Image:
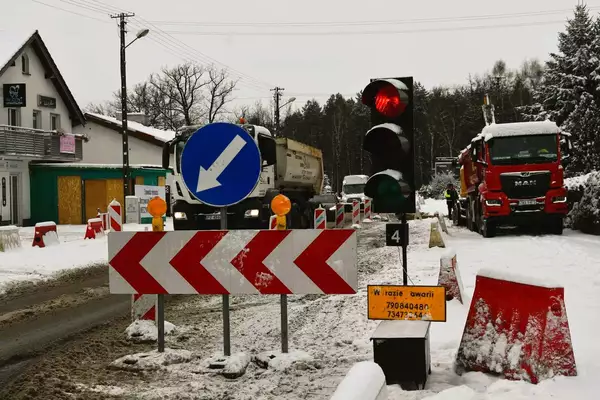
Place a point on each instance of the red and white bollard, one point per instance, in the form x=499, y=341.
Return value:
x=115, y=213
x=355, y=212
x=367, y=208
x=273, y=222
x=340, y=215
x=320, y=218
x=143, y=306
x=105, y=220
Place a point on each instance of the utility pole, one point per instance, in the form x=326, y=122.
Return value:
x=277, y=96
x=126, y=173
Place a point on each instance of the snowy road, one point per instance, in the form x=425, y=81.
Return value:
x=335, y=332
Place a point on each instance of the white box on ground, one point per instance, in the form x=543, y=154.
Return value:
x=132, y=210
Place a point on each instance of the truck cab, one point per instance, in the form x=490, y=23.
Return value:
x=513, y=173
x=353, y=188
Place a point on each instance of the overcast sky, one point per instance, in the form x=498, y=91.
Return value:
x=289, y=44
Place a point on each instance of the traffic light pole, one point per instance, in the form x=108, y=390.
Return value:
x=405, y=251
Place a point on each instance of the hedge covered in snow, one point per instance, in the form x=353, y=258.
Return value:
x=439, y=182
x=584, y=203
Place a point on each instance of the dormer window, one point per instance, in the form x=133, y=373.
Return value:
x=25, y=64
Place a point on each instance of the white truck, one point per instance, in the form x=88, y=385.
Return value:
x=289, y=167
x=353, y=188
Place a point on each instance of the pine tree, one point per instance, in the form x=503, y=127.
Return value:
x=568, y=73
x=568, y=94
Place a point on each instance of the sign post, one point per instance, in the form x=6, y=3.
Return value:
x=281, y=206
x=221, y=166
x=157, y=207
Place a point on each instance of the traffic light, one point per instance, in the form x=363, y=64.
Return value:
x=390, y=141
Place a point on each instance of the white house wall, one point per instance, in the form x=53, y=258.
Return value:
x=36, y=83
x=105, y=147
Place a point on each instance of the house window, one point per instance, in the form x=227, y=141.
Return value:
x=37, y=119
x=25, y=64
x=14, y=117
x=54, y=122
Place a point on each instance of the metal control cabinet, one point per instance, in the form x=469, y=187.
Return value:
x=402, y=350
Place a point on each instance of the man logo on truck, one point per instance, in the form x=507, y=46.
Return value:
x=526, y=183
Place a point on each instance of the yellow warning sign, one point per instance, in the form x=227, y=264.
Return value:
x=413, y=303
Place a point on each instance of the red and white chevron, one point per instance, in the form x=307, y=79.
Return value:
x=355, y=212
x=367, y=208
x=340, y=215
x=115, y=213
x=304, y=261
x=143, y=306
x=320, y=218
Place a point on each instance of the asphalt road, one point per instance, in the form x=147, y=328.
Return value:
x=35, y=318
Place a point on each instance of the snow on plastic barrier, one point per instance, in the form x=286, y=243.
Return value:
x=9, y=238
x=449, y=276
x=364, y=381
x=517, y=327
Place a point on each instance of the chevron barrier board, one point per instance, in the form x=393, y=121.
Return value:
x=305, y=261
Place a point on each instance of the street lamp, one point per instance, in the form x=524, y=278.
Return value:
x=139, y=35
x=126, y=172
x=279, y=107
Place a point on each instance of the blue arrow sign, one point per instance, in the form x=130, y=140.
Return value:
x=221, y=164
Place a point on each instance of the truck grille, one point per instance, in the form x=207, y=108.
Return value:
x=521, y=185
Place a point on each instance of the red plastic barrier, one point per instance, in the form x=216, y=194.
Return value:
x=516, y=329
x=41, y=229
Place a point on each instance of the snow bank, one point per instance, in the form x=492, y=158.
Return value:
x=143, y=331
x=282, y=361
x=519, y=278
x=432, y=206
x=152, y=361
x=34, y=263
x=364, y=381
x=456, y=393
x=576, y=182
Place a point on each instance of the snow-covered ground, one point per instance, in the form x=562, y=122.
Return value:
x=431, y=206
x=33, y=263
x=334, y=330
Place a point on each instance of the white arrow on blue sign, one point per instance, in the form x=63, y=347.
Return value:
x=221, y=164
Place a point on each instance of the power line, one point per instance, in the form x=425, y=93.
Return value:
x=71, y=12
x=365, y=23
x=359, y=33
x=257, y=83
x=167, y=42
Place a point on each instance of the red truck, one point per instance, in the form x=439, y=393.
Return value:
x=511, y=175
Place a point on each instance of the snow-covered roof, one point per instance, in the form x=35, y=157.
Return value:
x=163, y=136
x=89, y=165
x=519, y=129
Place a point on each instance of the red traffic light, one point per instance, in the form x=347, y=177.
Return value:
x=388, y=97
x=388, y=101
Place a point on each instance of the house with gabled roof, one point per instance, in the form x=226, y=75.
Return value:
x=38, y=114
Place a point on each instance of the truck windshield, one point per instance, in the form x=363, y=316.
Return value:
x=354, y=189
x=534, y=149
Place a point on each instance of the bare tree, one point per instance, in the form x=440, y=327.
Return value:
x=104, y=108
x=220, y=90
x=180, y=89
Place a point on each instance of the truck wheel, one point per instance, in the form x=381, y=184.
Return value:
x=488, y=229
x=556, y=226
x=469, y=221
